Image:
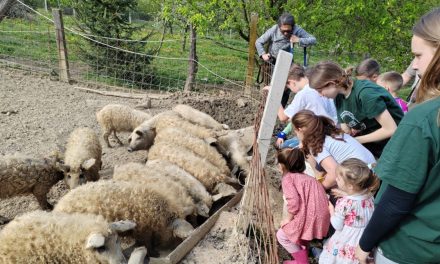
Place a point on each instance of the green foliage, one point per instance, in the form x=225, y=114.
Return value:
x=372, y=28
x=108, y=18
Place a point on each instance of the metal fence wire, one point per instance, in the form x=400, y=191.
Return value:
x=96, y=61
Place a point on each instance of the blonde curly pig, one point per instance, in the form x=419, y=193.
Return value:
x=175, y=193
x=42, y=237
x=208, y=174
x=154, y=216
x=83, y=157
x=119, y=118
x=195, y=187
x=180, y=137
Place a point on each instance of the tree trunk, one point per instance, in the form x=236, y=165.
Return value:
x=5, y=5
x=184, y=39
x=192, y=61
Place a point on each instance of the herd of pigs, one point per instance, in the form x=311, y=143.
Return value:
x=192, y=162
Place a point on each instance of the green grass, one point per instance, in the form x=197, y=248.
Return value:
x=213, y=53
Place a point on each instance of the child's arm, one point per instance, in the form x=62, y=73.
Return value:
x=291, y=195
x=337, y=215
x=388, y=127
x=287, y=217
x=283, y=135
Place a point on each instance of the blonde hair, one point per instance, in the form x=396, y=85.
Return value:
x=393, y=79
x=325, y=72
x=428, y=29
x=358, y=174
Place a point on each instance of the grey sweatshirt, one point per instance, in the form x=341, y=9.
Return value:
x=280, y=42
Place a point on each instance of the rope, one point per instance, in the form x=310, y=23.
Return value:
x=133, y=52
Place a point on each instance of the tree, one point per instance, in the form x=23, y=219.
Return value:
x=381, y=29
x=5, y=5
x=108, y=18
x=199, y=16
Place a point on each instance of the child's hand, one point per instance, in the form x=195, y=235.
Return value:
x=331, y=208
x=279, y=142
x=266, y=88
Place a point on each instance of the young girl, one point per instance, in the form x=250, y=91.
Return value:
x=352, y=212
x=327, y=145
x=307, y=214
x=365, y=110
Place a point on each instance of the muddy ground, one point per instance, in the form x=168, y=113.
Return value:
x=37, y=115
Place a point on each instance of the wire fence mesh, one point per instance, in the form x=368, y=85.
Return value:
x=158, y=64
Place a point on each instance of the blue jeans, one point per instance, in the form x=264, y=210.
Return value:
x=290, y=143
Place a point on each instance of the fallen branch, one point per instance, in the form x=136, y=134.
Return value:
x=124, y=95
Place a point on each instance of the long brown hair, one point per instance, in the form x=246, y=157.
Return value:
x=358, y=174
x=327, y=71
x=293, y=159
x=428, y=28
x=315, y=128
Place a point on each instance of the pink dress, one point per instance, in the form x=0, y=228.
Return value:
x=352, y=214
x=308, y=202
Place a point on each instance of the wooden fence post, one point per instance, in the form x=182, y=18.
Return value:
x=251, y=56
x=63, y=62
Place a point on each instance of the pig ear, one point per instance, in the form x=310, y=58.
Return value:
x=95, y=241
x=181, y=228
x=139, y=133
x=87, y=164
x=122, y=226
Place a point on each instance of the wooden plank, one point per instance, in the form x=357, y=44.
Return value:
x=188, y=244
x=273, y=102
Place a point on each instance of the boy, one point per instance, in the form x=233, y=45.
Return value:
x=392, y=82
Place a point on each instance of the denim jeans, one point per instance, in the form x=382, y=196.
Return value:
x=290, y=143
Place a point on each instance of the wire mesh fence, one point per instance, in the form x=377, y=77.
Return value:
x=157, y=64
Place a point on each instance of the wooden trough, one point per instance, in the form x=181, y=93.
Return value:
x=189, y=243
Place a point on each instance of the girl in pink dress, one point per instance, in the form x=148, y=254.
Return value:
x=306, y=202
x=357, y=183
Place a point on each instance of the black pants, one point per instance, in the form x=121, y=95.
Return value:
x=285, y=97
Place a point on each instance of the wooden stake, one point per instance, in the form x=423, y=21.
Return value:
x=63, y=62
x=251, y=56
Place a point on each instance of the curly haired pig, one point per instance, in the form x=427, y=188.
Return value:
x=178, y=136
x=42, y=237
x=236, y=144
x=119, y=118
x=198, y=117
x=194, y=186
x=155, y=178
x=83, y=156
x=208, y=174
x=143, y=136
x=20, y=174
x=156, y=219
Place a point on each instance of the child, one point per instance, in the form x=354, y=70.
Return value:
x=365, y=110
x=352, y=212
x=368, y=69
x=305, y=98
x=392, y=82
x=306, y=202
